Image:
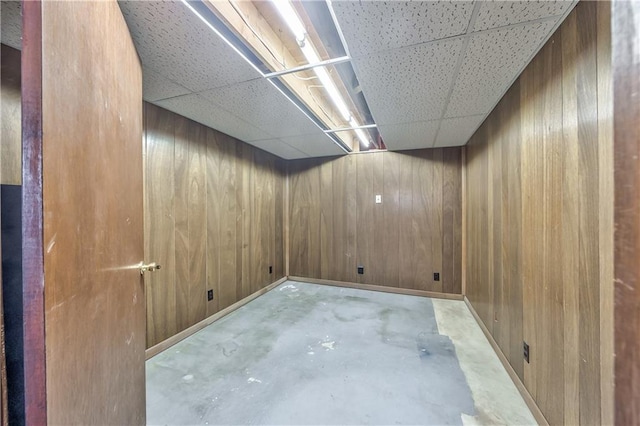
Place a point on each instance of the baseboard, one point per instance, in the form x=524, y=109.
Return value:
x=528, y=399
x=165, y=344
x=384, y=289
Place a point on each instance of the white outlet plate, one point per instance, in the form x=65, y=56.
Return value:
x=378, y=199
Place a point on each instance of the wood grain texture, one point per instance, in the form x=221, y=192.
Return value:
x=93, y=216
x=537, y=173
x=215, y=193
x=160, y=246
x=228, y=206
x=570, y=236
x=389, y=226
x=212, y=213
x=625, y=36
x=11, y=137
x=35, y=359
x=181, y=211
x=606, y=222
x=398, y=242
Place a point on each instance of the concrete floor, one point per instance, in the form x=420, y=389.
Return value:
x=310, y=354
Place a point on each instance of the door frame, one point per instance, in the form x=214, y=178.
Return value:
x=625, y=36
x=32, y=220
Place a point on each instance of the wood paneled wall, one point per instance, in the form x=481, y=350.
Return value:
x=213, y=220
x=540, y=222
x=336, y=225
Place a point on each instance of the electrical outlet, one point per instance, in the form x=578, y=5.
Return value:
x=525, y=347
x=271, y=269
x=378, y=199
x=436, y=276
x=360, y=270
x=209, y=295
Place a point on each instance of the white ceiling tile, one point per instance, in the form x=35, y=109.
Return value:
x=199, y=109
x=279, y=148
x=409, y=135
x=156, y=87
x=174, y=42
x=457, y=131
x=11, y=24
x=493, y=60
x=261, y=104
x=314, y=145
x=501, y=13
x=372, y=26
x=409, y=84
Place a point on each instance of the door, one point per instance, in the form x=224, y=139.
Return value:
x=83, y=217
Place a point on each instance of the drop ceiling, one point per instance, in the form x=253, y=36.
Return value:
x=430, y=71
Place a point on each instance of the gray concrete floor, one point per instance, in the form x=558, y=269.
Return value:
x=310, y=354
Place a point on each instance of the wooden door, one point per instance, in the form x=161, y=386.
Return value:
x=83, y=217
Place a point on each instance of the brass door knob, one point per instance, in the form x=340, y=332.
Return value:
x=149, y=267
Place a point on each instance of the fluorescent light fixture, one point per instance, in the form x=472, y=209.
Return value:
x=291, y=18
x=363, y=137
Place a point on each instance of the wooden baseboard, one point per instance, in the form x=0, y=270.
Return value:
x=380, y=288
x=528, y=399
x=165, y=344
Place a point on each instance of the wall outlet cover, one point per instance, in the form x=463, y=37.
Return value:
x=210, y=295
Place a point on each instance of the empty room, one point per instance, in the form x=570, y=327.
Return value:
x=288, y=212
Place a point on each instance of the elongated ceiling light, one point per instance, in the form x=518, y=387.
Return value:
x=291, y=18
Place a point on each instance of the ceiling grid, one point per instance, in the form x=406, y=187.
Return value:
x=430, y=71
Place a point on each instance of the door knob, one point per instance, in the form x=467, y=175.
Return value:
x=149, y=267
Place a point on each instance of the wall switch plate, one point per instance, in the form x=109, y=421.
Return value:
x=378, y=199
x=271, y=269
x=525, y=348
x=436, y=276
x=210, y=295
x=361, y=270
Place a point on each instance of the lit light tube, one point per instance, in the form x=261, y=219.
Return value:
x=215, y=30
x=291, y=18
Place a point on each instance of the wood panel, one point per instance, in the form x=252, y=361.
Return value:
x=93, y=220
x=606, y=222
x=215, y=193
x=626, y=116
x=159, y=221
x=228, y=206
x=537, y=174
x=390, y=225
x=181, y=209
x=212, y=206
x=336, y=225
